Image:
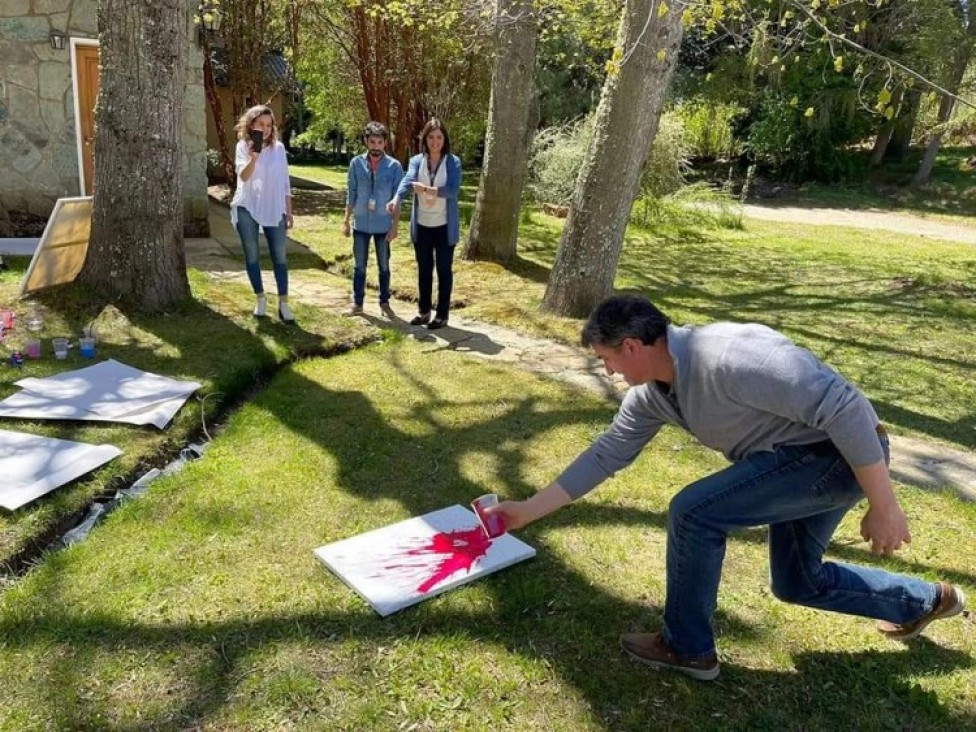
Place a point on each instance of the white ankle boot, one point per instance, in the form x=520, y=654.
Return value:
x=285, y=313
x=261, y=306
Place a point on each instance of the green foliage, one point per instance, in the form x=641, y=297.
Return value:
x=695, y=206
x=709, y=127
x=556, y=158
x=575, y=40
x=664, y=171
x=558, y=153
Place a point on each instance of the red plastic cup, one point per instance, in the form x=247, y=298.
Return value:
x=493, y=526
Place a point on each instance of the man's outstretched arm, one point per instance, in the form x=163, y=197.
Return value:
x=519, y=513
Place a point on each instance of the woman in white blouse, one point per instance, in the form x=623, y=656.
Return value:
x=434, y=177
x=262, y=199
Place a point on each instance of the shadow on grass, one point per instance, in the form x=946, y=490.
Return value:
x=546, y=610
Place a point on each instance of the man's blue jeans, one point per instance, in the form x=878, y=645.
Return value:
x=247, y=229
x=802, y=493
x=360, y=251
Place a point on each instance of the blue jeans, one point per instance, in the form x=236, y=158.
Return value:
x=802, y=493
x=247, y=229
x=360, y=251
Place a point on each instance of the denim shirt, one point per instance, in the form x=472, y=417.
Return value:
x=381, y=186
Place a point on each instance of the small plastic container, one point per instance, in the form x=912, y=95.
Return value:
x=86, y=346
x=493, y=526
x=33, y=348
x=60, y=348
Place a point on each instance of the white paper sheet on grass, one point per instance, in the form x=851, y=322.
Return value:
x=388, y=567
x=104, y=392
x=32, y=465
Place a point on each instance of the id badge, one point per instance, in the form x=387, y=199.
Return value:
x=371, y=206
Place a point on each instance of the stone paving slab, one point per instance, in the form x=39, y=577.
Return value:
x=914, y=461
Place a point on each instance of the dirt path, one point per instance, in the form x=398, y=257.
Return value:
x=879, y=220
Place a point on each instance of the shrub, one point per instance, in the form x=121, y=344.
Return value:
x=556, y=158
x=709, y=128
x=558, y=153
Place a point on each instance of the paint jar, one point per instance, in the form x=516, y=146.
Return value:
x=35, y=320
x=87, y=347
x=60, y=348
x=7, y=319
x=493, y=526
x=33, y=348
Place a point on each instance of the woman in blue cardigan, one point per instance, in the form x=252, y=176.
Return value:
x=435, y=179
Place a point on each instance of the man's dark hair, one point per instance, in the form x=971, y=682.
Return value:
x=375, y=129
x=435, y=124
x=624, y=316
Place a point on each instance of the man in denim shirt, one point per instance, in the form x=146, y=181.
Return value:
x=373, y=180
x=805, y=447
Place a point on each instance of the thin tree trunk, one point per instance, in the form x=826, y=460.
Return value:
x=904, y=127
x=494, y=226
x=136, y=252
x=625, y=127
x=884, y=134
x=217, y=110
x=960, y=63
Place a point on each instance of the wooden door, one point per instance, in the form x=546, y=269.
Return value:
x=88, y=80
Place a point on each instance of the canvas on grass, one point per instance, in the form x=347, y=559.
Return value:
x=401, y=564
x=31, y=465
x=104, y=392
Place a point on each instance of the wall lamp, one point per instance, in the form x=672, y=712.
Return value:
x=58, y=40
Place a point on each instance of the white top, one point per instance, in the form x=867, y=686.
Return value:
x=432, y=210
x=264, y=193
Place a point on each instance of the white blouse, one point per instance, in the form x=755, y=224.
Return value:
x=432, y=211
x=264, y=193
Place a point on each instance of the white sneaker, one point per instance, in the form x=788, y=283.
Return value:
x=261, y=307
x=285, y=313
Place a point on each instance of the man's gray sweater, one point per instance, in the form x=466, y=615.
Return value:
x=740, y=389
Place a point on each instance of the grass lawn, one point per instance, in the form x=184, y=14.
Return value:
x=201, y=605
x=895, y=313
x=214, y=341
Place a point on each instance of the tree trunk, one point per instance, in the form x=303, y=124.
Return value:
x=136, y=252
x=624, y=130
x=494, y=226
x=217, y=111
x=962, y=56
x=884, y=134
x=904, y=127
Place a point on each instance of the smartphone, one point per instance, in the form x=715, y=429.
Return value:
x=257, y=137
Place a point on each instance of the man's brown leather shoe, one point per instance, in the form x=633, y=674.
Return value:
x=951, y=602
x=651, y=650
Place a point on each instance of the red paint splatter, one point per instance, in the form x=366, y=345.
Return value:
x=460, y=551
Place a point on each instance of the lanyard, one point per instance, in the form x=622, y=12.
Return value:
x=433, y=174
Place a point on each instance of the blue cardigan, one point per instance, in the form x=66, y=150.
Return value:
x=449, y=191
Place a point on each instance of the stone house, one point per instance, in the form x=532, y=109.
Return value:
x=49, y=78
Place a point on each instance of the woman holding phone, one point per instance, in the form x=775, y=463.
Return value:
x=434, y=178
x=262, y=200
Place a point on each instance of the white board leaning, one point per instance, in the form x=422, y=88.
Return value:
x=407, y=562
x=61, y=252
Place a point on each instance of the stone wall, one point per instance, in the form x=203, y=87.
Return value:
x=38, y=138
